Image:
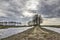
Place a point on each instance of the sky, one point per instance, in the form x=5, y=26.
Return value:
x=24, y=10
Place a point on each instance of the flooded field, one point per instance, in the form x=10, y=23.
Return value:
x=12, y=31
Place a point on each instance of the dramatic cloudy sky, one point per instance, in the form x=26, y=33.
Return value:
x=24, y=10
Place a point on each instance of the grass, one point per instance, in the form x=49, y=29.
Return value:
x=7, y=26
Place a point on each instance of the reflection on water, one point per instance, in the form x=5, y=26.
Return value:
x=53, y=29
x=11, y=31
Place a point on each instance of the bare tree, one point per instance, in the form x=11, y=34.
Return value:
x=37, y=19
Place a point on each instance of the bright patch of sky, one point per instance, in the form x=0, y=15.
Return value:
x=32, y=4
x=27, y=14
x=51, y=21
x=1, y=13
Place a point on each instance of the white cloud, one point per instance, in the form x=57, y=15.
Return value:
x=27, y=14
x=32, y=4
x=21, y=17
x=2, y=14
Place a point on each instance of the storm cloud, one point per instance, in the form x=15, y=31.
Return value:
x=22, y=10
x=12, y=9
x=49, y=8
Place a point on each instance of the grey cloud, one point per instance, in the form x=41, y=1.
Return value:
x=49, y=10
x=32, y=11
x=13, y=10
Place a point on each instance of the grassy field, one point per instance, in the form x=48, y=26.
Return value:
x=2, y=27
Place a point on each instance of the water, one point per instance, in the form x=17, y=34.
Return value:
x=11, y=31
x=53, y=29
